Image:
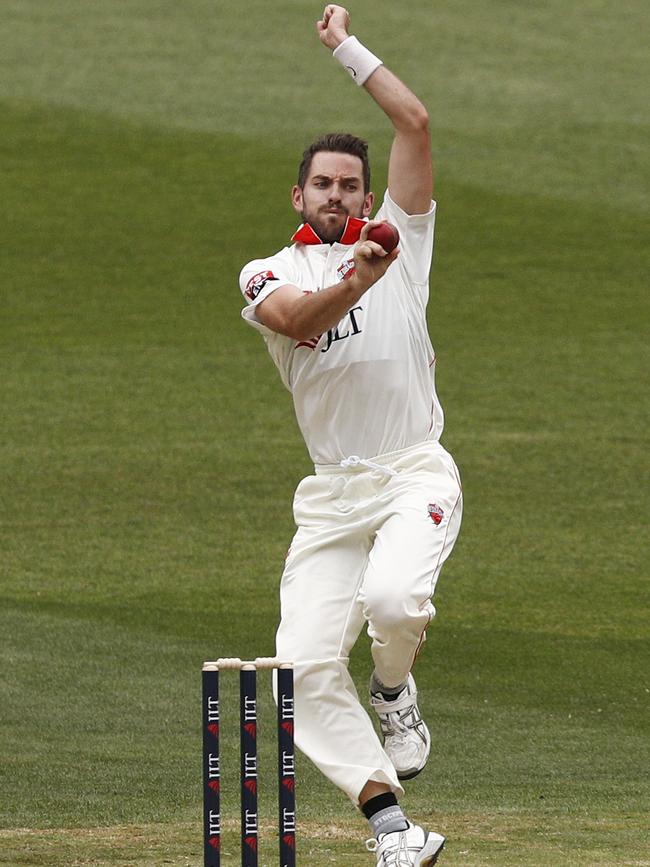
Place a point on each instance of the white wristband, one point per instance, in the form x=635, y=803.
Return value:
x=356, y=58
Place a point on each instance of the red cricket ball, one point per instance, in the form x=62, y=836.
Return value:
x=386, y=235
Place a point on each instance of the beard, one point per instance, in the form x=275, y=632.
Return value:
x=328, y=227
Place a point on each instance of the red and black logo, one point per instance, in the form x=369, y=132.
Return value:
x=257, y=283
x=346, y=270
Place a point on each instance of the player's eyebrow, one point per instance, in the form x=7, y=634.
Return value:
x=346, y=178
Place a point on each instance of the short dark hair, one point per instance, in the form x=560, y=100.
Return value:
x=336, y=142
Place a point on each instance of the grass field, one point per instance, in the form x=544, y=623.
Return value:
x=149, y=453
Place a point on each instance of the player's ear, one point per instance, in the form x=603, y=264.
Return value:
x=368, y=202
x=297, y=199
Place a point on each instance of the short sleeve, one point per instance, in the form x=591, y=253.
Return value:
x=257, y=281
x=416, y=237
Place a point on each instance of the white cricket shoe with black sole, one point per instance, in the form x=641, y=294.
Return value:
x=407, y=741
x=414, y=847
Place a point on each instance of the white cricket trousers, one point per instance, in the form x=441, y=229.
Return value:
x=368, y=549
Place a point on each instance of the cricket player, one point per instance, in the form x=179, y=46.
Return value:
x=345, y=323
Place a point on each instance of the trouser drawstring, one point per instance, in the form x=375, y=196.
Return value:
x=356, y=461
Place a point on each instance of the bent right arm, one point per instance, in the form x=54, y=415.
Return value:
x=302, y=315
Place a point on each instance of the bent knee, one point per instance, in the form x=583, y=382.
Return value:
x=390, y=611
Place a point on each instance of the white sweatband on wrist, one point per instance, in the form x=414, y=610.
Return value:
x=356, y=58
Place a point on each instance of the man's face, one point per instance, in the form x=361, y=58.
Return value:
x=333, y=192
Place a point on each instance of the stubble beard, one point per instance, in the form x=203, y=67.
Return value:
x=327, y=232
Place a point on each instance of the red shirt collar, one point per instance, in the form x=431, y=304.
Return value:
x=306, y=235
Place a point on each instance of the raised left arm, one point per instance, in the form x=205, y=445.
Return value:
x=410, y=172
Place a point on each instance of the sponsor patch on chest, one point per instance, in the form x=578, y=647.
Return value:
x=346, y=269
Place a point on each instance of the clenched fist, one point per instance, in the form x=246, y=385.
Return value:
x=334, y=26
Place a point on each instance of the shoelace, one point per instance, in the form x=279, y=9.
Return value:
x=399, y=717
x=390, y=854
x=356, y=461
x=398, y=727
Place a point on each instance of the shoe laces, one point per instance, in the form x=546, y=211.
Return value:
x=399, y=724
x=390, y=851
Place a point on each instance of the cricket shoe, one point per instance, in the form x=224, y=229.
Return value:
x=407, y=741
x=414, y=847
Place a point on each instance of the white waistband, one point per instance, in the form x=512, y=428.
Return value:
x=382, y=463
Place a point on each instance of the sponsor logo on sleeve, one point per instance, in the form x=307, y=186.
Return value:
x=436, y=513
x=257, y=283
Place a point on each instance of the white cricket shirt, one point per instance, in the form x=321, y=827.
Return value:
x=366, y=387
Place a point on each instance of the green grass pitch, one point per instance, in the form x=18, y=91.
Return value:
x=148, y=452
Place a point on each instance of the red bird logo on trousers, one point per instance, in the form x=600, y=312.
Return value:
x=436, y=513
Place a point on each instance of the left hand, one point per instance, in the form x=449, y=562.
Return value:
x=333, y=28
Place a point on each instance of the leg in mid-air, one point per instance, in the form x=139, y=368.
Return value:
x=404, y=564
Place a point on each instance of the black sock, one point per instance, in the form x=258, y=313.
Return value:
x=387, y=693
x=384, y=814
x=379, y=802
